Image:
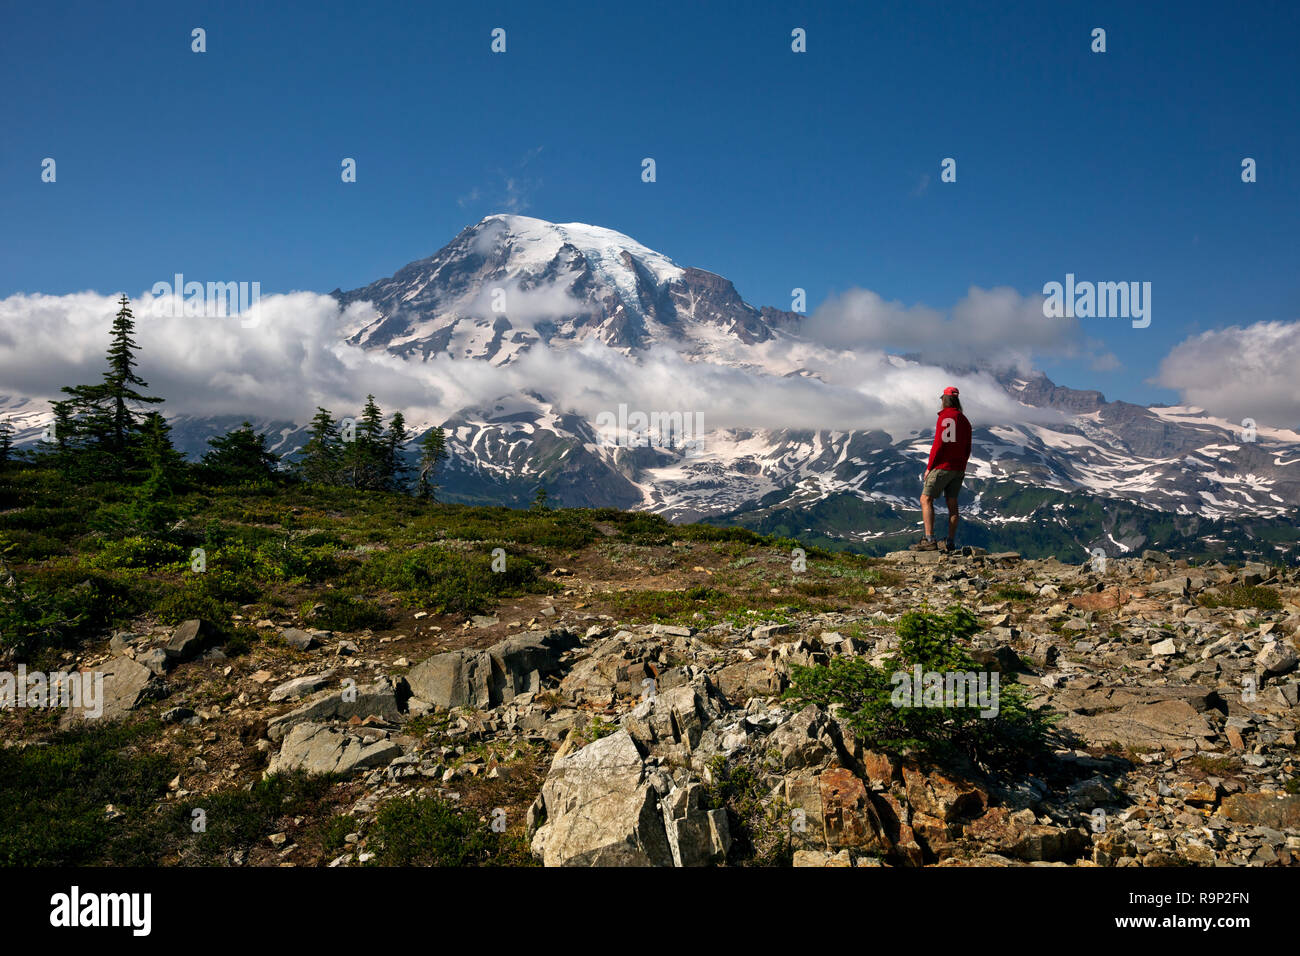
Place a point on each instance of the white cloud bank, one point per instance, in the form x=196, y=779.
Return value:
x=1239, y=372
x=839, y=376
x=287, y=355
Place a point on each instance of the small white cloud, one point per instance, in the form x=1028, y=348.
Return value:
x=999, y=327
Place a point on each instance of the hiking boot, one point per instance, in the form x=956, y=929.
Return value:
x=947, y=547
x=925, y=545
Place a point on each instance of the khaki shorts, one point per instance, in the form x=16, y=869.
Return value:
x=942, y=482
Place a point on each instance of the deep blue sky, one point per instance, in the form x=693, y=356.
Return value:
x=774, y=169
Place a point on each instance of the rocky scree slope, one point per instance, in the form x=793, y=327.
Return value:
x=1176, y=742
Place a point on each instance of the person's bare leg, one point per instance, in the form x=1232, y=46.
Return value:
x=927, y=515
x=952, y=522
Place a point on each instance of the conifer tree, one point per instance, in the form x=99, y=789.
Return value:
x=104, y=415
x=322, y=456
x=365, y=459
x=433, y=449
x=98, y=428
x=165, y=465
x=240, y=456
x=395, y=467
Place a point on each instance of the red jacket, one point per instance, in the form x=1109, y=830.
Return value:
x=951, y=446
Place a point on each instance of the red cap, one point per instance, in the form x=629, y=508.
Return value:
x=951, y=390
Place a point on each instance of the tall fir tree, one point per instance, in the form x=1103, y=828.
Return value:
x=120, y=380
x=322, y=457
x=364, y=461
x=6, y=442
x=97, y=426
x=395, y=441
x=433, y=449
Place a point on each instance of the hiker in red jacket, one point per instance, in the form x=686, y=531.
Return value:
x=945, y=469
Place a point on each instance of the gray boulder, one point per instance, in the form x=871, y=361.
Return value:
x=520, y=662
x=601, y=810
x=696, y=837
x=1168, y=718
x=126, y=685
x=156, y=659
x=805, y=740
x=189, y=640
x=487, y=678
x=299, y=639
x=374, y=700
x=1276, y=658
x=300, y=687
x=454, y=679
x=316, y=749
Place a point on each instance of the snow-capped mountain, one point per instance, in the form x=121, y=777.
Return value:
x=1065, y=471
x=509, y=284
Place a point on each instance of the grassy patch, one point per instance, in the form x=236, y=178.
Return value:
x=237, y=819
x=450, y=581
x=759, y=825
x=54, y=798
x=337, y=611
x=431, y=831
x=1243, y=596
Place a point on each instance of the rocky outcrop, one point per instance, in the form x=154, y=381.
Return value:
x=377, y=700
x=488, y=678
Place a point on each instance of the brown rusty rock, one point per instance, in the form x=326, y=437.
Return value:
x=849, y=818
x=940, y=795
x=880, y=768
x=1280, y=811
x=1101, y=600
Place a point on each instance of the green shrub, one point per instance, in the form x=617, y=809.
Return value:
x=759, y=824
x=642, y=527
x=190, y=601
x=1011, y=592
x=346, y=612
x=56, y=606
x=140, y=551
x=453, y=582
x=709, y=533
x=866, y=697
x=1242, y=596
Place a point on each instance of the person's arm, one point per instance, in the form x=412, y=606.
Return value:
x=934, y=448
